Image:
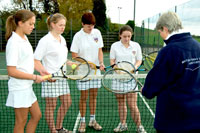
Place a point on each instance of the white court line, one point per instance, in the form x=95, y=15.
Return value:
x=77, y=122
x=147, y=105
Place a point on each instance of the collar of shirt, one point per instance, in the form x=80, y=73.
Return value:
x=19, y=38
x=129, y=47
x=84, y=33
x=174, y=33
x=53, y=38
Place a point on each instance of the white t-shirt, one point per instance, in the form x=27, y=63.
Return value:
x=87, y=45
x=131, y=54
x=120, y=53
x=19, y=53
x=51, y=52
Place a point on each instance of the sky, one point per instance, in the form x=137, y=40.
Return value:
x=120, y=11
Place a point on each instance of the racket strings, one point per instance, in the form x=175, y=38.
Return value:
x=149, y=60
x=119, y=81
x=80, y=71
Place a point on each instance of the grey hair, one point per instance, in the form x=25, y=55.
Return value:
x=170, y=20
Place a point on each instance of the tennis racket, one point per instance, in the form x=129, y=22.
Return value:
x=75, y=69
x=122, y=64
x=147, y=61
x=120, y=81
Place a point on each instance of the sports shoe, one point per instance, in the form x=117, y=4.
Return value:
x=63, y=130
x=82, y=127
x=95, y=125
x=121, y=128
x=141, y=129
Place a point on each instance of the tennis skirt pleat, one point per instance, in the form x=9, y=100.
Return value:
x=21, y=98
x=55, y=89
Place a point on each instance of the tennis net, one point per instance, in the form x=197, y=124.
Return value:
x=106, y=111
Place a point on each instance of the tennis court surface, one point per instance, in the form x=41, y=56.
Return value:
x=106, y=112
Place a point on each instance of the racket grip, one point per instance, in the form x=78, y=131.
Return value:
x=47, y=77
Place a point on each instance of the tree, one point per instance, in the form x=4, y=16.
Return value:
x=73, y=10
x=26, y=4
x=131, y=23
x=50, y=6
x=99, y=11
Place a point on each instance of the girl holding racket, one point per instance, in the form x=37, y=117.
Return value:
x=88, y=43
x=20, y=66
x=127, y=50
x=52, y=51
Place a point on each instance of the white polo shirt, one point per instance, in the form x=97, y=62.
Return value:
x=51, y=52
x=87, y=45
x=120, y=53
x=19, y=53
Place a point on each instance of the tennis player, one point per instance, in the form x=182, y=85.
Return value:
x=175, y=79
x=88, y=43
x=127, y=50
x=20, y=66
x=52, y=52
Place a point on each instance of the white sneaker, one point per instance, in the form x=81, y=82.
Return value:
x=121, y=128
x=95, y=125
x=141, y=129
x=82, y=127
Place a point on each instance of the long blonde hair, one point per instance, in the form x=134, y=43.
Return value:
x=54, y=18
x=12, y=21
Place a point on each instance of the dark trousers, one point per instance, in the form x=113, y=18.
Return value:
x=189, y=131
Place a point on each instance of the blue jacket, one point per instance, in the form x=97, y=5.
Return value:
x=175, y=80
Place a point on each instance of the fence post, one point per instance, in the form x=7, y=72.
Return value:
x=1, y=37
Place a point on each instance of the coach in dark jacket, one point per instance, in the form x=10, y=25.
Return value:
x=175, y=79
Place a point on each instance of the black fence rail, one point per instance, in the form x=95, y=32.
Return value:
x=36, y=35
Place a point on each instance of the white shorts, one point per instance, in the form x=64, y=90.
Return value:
x=119, y=86
x=94, y=83
x=55, y=89
x=21, y=98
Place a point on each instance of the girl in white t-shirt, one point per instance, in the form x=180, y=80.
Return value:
x=52, y=52
x=127, y=50
x=88, y=43
x=20, y=66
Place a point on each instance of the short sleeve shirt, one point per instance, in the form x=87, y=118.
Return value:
x=19, y=53
x=120, y=53
x=87, y=45
x=51, y=52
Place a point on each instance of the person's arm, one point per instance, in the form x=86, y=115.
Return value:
x=101, y=59
x=161, y=75
x=13, y=72
x=112, y=61
x=74, y=55
x=138, y=63
x=138, y=57
x=40, y=68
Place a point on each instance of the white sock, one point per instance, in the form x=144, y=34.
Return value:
x=82, y=119
x=92, y=117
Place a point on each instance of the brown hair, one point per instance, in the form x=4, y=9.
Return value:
x=54, y=18
x=88, y=18
x=125, y=28
x=12, y=21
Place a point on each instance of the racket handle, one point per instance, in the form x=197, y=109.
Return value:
x=47, y=77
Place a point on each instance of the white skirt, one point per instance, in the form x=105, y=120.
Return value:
x=55, y=89
x=93, y=83
x=126, y=87
x=21, y=98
